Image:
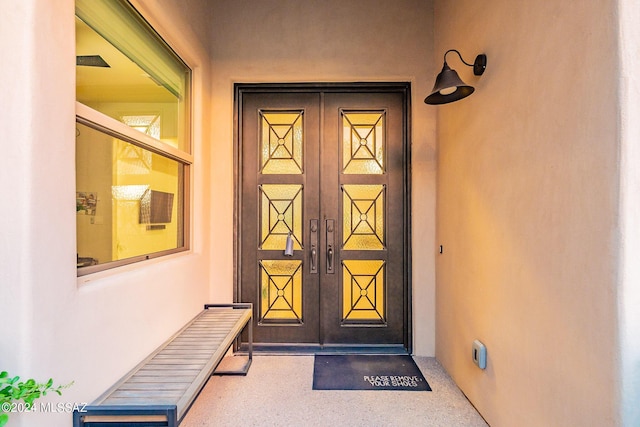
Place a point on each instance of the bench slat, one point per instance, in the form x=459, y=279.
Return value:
x=179, y=367
x=127, y=401
x=168, y=380
x=181, y=386
x=194, y=345
x=157, y=372
x=177, y=360
x=149, y=397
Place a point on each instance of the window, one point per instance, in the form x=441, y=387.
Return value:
x=133, y=149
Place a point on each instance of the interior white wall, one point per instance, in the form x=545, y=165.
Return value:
x=527, y=211
x=89, y=330
x=629, y=295
x=328, y=41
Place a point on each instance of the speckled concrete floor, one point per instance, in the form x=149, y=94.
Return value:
x=278, y=392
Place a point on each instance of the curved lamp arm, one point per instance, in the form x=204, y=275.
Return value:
x=479, y=65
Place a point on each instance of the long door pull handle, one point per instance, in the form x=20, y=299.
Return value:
x=314, y=259
x=313, y=243
x=330, y=224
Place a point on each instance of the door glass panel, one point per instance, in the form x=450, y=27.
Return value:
x=363, y=143
x=281, y=142
x=280, y=214
x=281, y=291
x=363, y=293
x=363, y=217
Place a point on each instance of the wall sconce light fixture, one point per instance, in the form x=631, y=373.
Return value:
x=449, y=87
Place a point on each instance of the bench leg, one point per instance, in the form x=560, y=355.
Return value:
x=245, y=369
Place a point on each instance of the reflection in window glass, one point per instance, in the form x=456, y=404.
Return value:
x=147, y=124
x=129, y=201
x=124, y=70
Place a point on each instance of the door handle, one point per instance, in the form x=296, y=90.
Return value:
x=314, y=260
x=313, y=242
x=330, y=245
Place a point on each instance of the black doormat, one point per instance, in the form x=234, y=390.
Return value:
x=367, y=372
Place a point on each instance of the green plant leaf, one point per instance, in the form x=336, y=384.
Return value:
x=12, y=390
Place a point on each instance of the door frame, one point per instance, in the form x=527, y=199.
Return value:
x=403, y=88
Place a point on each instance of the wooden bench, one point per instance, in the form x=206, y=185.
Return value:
x=160, y=390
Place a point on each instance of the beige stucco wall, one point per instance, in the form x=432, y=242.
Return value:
x=329, y=41
x=527, y=211
x=89, y=330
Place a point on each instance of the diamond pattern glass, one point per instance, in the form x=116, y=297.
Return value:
x=363, y=217
x=363, y=291
x=281, y=291
x=363, y=143
x=280, y=214
x=281, y=142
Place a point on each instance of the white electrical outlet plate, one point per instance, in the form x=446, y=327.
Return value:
x=479, y=354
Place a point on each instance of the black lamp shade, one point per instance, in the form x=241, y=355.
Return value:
x=448, y=88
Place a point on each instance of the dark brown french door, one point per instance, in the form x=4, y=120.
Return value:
x=322, y=169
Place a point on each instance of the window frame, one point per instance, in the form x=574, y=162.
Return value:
x=101, y=122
